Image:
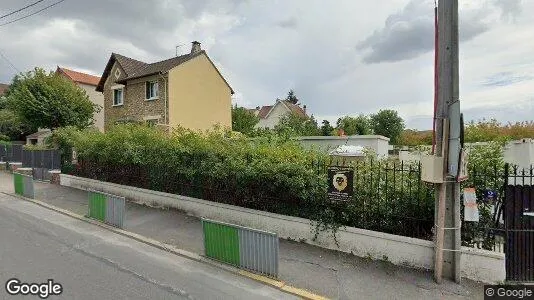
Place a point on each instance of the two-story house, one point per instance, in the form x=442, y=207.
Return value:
x=184, y=91
x=270, y=115
x=88, y=83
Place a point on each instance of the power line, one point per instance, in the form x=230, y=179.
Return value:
x=53, y=4
x=9, y=62
x=16, y=11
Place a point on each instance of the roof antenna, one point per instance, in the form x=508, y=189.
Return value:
x=178, y=46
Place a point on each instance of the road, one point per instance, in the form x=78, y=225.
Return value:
x=90, y=262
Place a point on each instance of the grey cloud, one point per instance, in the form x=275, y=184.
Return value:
x=410, y=33
x=288, y=23
x=510, y=9
x=104, y=26
x=504, y=79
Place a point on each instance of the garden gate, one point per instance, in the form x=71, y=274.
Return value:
x=519, y=226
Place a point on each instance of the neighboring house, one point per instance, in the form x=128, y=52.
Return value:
x=39, y=137
x=3, y=89
x=184, y=91
x=270, y=115
x=88, y=83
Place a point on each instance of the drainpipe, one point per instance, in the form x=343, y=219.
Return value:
x=166, y=97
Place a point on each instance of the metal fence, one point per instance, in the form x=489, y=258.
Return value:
x=491, y=186
x=389, y=196
x=23, y=185
x=49, y=159
x=11, y=153
x=41, y=161
x=243, y=247
x=107, y=208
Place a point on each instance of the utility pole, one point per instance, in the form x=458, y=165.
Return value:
x=447, y=216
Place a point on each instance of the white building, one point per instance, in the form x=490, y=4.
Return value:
x=270, y=115
x=376, y=143
x=88, y=83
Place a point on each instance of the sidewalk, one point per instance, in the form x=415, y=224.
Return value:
x=329, y=273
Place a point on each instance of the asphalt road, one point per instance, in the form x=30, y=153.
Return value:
x=90, y=262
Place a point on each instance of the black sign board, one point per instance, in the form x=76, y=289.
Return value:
x=340, y=183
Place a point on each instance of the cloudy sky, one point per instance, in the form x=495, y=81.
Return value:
x=342, y=57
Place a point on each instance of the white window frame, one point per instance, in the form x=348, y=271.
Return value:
x=153, y=97
x=122, y=96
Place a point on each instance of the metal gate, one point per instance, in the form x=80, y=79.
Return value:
x=42, y=161
x=519, y=226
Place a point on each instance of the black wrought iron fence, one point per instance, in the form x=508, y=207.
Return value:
x=390, y=197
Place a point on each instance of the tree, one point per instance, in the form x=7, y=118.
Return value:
x=12, y=126
x=354, y=125
x=326, y=128
x=388, y=123
x=50, y=100
x=243, y=120
x=294, y=124
x=291, y=97
x=412, y=137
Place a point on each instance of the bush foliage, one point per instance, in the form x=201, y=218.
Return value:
x=268, y=173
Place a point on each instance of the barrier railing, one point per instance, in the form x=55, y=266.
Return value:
x=23, y=185
x=107, y=208
x=243, y=247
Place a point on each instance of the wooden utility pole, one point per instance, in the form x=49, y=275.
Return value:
x=447, y=216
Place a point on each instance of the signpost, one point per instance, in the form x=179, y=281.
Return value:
x=340, y=183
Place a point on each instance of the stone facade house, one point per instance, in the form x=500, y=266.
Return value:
x=270, y=115
x=88, y=83
x=184, y=91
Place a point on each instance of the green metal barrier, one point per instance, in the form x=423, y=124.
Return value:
x=221, y=242
x=243, y=247
x=107, y=208
x=97, y=206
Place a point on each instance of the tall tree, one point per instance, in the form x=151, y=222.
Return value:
x=49, y=100
x=354, y=125
x=388, y=123
x=243, y=120
x=326, y=128
x=291, y=97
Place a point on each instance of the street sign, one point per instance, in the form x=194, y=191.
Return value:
x=340, y=183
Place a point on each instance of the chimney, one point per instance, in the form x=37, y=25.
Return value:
x=304, y=108
x=195, y=47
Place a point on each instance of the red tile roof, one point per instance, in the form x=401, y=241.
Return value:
x=264, y=111
x=79, y=77
x=296, y=109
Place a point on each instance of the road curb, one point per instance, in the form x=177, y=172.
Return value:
x=280, y=285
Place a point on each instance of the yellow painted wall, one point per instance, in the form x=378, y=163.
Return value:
x=198, y=96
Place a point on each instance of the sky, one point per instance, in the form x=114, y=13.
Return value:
x=343, y=57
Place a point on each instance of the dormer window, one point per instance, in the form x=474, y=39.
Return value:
x=151, y=90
